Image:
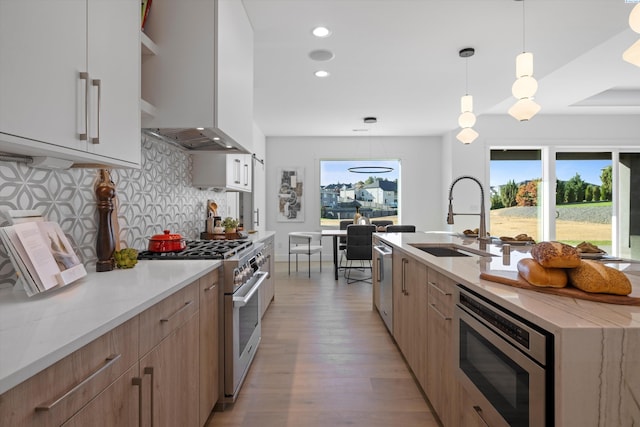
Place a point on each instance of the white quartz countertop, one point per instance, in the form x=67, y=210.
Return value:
x=38, y=331
x=552, y=312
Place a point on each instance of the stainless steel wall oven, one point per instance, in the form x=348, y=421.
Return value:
x=503, y=361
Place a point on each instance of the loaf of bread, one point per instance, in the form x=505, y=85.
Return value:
x=556, y=255
x=592, y=276
x=537, y=275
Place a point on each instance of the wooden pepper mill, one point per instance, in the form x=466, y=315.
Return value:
x=105, y=245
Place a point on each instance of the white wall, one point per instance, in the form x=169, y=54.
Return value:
x=421, y=184
x=259, y=180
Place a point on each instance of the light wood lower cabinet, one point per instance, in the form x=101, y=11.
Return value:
x=118, y=405
x=409, y=313
x=440, y=385
x=52, y=396
x=471, y=413
x=160, y=368
x=209, y=334
x=170, y=368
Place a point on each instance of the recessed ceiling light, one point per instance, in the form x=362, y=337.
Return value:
x=200, y=128
x=321, y=73
x=321, y=32
x=216, y=138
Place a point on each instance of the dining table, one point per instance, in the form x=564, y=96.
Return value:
x=335, y=234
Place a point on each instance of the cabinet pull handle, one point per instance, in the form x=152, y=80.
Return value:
x=149, y=371
x=404, y=283
x=137, y=381
x=380, y=273
x=98, y=83
x=441, y=314
x=85, y=76
x=257, y=217
x=110, y=360
x=236, y=171
x=246, y=175
x=436, y=287
x=210, y=288
x=479, y=413
x=184, y=307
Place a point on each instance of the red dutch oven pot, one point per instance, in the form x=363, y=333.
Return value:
x=167, y=242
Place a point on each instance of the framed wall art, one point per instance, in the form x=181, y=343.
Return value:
x=290, y=195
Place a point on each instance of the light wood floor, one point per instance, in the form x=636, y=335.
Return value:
x=326, y=359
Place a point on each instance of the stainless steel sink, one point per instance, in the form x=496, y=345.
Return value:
x=449, y=250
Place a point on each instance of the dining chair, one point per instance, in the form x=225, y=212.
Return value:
x=305, y=243
x=343, y=240
x=400, y=228
x=381, y=223
x=359, y=248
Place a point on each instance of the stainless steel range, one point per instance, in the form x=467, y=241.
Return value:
x=241, y=262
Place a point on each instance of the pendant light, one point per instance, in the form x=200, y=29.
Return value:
x=632, y=55
x=525, y=85
x=467, y=119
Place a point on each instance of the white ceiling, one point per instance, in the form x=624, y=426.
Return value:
x=398, y=60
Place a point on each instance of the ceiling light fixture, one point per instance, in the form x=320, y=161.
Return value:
x=370, y=169
x=525, y=85
x=632, y=55
x=321, y=32
x=321, y=73
x=467, y=119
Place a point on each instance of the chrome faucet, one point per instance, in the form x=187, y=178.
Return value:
x=482, y=230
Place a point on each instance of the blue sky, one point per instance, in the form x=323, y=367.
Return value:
x=522, y=170
x=335, y=171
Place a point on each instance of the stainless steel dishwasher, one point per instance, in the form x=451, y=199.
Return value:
x=385, y=281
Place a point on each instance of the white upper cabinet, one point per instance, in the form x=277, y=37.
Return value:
x=114, y=59
x=202, y=75
x=70, y=80
x=217, y=170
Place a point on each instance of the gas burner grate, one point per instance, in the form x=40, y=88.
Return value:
x=201, y=249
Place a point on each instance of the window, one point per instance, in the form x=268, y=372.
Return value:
x=583, y=198
x=371, y=186
x=515, y=177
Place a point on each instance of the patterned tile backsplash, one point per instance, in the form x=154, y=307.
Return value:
x=157, y=197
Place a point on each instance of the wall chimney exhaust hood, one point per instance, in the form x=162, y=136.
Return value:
x=196, y=139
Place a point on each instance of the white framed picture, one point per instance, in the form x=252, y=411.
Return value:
x=290, y=195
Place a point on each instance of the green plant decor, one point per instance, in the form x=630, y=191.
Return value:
x=229, y=224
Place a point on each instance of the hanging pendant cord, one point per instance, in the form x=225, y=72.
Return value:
x=523, y=25
x=466, y=78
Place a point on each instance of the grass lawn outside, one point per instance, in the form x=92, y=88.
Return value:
x=575, y=223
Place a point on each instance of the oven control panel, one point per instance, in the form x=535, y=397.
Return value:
x=244, y=272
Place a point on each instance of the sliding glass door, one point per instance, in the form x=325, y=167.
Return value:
x=628, y=189
x=583, y=198
x=569, y=196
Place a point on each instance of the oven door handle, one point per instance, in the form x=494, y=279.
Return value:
x=242, y=300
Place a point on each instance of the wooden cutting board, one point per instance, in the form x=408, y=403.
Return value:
x=569, y=291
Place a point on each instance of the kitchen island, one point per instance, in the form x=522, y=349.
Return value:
x=596, y=380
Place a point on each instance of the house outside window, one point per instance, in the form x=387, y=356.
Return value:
x=374, y=193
